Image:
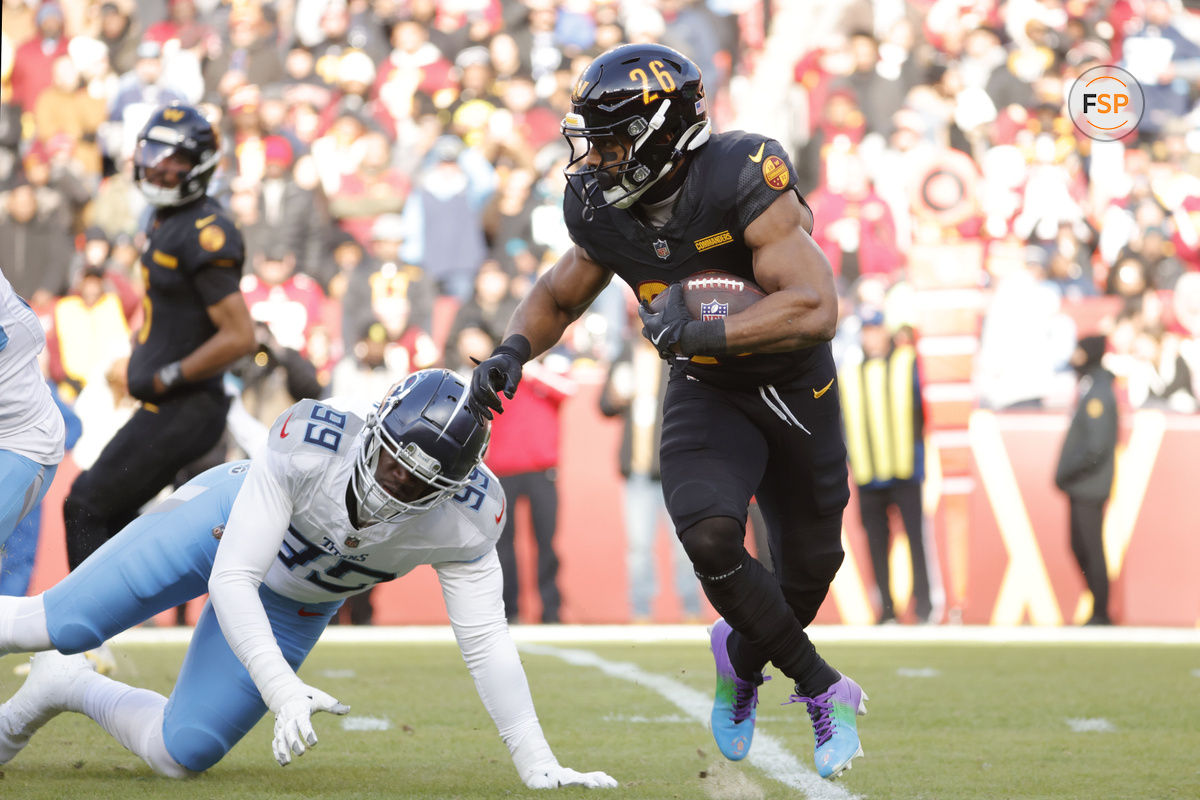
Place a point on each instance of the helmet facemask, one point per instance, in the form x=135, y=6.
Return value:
x=154, y=146
x=375, y=503
x=650, y=152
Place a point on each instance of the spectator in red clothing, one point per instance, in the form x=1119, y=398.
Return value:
x=181, y=24
x=533, y=118
x=1185, y=232
x=415, y=57
x=853, y=225
x=374, y=188
x=408, y=346
x=524, y=454
x=289, y=303
x=31, y=72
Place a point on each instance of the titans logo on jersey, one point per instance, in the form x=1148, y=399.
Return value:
x=730, y=181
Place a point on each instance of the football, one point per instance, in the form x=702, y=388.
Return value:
x=714, y=294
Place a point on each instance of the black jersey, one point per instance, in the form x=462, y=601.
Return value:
x=731, y=180
x=193, y=260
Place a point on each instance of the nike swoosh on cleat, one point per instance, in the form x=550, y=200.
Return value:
x=283, y=431
x=757, y=157
x=817, y=394
x=305, y=613
x=200, y=223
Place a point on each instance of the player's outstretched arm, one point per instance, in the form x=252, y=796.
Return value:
x=473, y=594
x=558, y=298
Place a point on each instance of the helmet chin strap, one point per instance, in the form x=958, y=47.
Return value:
x=691, y=139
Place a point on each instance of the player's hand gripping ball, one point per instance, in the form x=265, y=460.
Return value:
x=687, y=318
x=714, y=294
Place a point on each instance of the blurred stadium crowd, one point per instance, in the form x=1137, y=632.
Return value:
x=396, y=169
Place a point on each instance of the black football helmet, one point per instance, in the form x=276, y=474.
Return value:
x=426, y=425
x=182, y=130
x=650, y=99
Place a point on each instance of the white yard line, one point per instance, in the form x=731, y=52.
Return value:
x=768, y=754
x=654, y=634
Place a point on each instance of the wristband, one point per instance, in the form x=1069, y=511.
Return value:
x=170, y=375
x=517, y=346
x=703, y=338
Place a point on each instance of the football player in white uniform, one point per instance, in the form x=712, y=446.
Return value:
x=31, y=426
x=341, y=499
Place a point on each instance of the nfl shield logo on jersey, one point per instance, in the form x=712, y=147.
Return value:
x=661, y=249
x=714, y=310
x=353, y=541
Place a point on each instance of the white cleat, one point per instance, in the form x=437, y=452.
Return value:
x=52, y=678
x=103, y=659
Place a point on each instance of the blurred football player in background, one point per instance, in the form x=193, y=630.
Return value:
x=654, y=196
x=195, y=326
x=341, y=499
x=32, y=430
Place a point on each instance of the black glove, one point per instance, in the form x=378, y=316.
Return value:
x=500, y=371
x=674, y=325
x=664, y=328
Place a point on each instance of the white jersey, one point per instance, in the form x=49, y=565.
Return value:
x=30, y=423
x=290, y=529
x=304, y=472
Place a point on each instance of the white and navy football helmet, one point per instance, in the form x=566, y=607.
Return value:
x=426, y=425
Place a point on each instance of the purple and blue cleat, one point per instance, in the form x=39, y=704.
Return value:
x=834, y=726
x=734, y=701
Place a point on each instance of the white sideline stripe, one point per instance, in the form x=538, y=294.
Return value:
x=767, y=754
x=1196, y=673
x=1097, y=725
x=657, y=634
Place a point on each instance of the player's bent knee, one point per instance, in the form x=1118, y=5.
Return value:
x=714, y=545
x=195, y=749
x=75, y=636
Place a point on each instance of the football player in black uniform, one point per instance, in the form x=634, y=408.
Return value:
x=196, y=325
x=751, y=409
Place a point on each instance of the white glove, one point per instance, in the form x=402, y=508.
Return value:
x=293, y=729
x=555, y=776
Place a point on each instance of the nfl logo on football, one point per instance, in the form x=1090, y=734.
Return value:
x=714, y=310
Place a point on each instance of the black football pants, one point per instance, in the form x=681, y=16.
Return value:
x=137, y=463
x=542, y=492
x=783, y=445
x=873, y=505
x=1087, y=543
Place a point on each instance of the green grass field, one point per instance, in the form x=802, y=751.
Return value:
x=947, y=721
